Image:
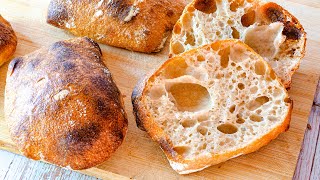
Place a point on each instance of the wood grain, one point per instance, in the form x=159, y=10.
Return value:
x=6, y=160
x=315, y=174
x=307, y=159
x=19, y=167
x=139, y=157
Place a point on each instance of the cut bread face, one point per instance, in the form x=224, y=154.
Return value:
x=265, y=26
x=211, y=104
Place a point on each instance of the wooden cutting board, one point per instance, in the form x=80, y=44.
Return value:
x=141, y=158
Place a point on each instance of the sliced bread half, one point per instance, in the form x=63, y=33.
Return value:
x=211, y=104
x=265, y=26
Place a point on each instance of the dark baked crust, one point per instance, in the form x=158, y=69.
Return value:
x=62, y=105
x=293, y=30
x=8, y=41
x=139, y=27
x=136, y=98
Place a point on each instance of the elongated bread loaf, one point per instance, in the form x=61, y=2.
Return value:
x=265, y=26
x=137, y=25
x=8, y=41
x=211, y=104
x=63, y=107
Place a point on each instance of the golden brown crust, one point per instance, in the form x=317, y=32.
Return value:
x=62, y=105
x=139, y=26
x=146, y=122
x=8, y=41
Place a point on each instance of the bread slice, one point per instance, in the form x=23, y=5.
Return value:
x=211, y=104
x=8, y=41
x=265, y=26
x=62, y=105
x=137, y=25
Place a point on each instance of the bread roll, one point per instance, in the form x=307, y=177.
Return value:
x=210, y=104
x=266, y=27
x=137, y=25
x=62, y=105
x=8, y=41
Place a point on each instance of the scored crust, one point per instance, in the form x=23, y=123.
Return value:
x=140, y=25
x=266, y=27
x=8, y=41
x=62, y=105
x=180, y=130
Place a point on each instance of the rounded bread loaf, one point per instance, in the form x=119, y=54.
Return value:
x=62, y=105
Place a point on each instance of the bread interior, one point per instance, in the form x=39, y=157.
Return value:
x=216, y=99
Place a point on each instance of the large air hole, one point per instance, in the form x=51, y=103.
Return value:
x=201, y=58
x=243, y=75
x=176, y=68
x=219, y=75
x=187, y=20
x=235, y=33
x=206, y=6
x=177, y=48
x=227, y=128
x=189, y=97
x=272, y=74
x=224, y=57
x=190, y=39
x=241, y=86
x=202, y=130
x=177, y=28
x=232, y=108
x=182, y=150
x=188, y=123
x=255, y=118
x=259, y=101
x=260, y=68
x=240, y=120
x=248, y=19
x=236, y=4
x=203, y=147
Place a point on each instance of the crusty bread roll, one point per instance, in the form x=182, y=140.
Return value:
x=211, y=104
x=265, y=26
x=8, y=41
x=63, y=107
x=137, y=25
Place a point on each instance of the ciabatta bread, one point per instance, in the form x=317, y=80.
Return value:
x=137, y=25
x=211, y=104
x=8, y=41
x=62, y=105
x=265, y=26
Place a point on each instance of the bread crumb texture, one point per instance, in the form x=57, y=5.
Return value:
x=214, y=100
x=266, y=27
